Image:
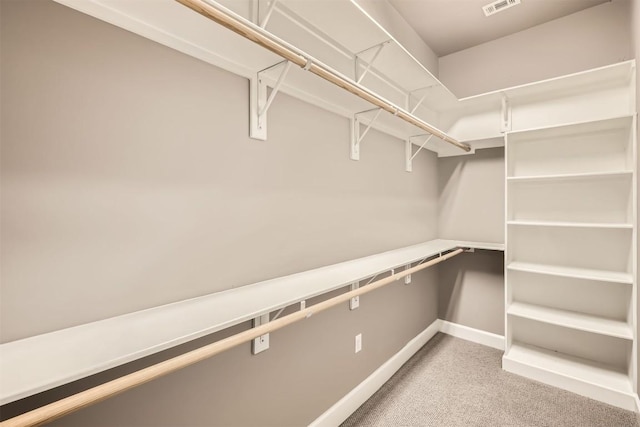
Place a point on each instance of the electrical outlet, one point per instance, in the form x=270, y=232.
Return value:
x=358, y=343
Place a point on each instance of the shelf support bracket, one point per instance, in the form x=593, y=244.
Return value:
x=369, y=64
x=357, y=135
x=410, y=155
x=271, y=5
x=407, y=278
x=260, y=103
x=420, y=101
x=260, y=344
x=355, y=301
x=505, y=121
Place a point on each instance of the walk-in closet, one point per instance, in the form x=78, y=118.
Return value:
x=236, y=213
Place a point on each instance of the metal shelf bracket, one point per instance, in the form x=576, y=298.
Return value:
x=359, y=62
x=260, y=344
x=355, y=301
x=412, y=109
x=268, y=6
x=408, y=150
x=260, y=102
x=357, y=134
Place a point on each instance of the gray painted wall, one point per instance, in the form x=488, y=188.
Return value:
x=128, y=181
x=471, y=207
x=587, y=39
x=471, y=290
x=471, y=196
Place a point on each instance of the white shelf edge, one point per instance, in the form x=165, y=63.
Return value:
x=480, y=245
x=572, y=320
x=569, y=224
x=577, y=273
x=571, y=176
x=570, y=373
x=572, y=124
x=401, y=46
x=508, y=90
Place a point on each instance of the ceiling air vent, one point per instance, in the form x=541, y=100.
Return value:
x=498, y=6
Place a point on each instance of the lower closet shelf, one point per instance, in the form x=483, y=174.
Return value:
x=581, y=376
x=571, y=319
x=38, y=363
x=578, y=273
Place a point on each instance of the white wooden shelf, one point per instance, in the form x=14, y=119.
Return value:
x=395, y=63
x=614, y=75
x=568, y=177
x=578, y=127
x=571, y=319
x=42, y=362
x=585, y=377
x=553, y=102
x=578, y=273
x=480, y=245
x=570, y=224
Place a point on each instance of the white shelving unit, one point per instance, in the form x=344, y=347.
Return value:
x=42, y=362
x=570, y=257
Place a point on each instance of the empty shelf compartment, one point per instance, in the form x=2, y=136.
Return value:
x=572, y=319
x=581, y=370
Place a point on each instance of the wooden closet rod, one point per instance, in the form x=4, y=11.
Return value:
x=109, y=389
x=263, y=38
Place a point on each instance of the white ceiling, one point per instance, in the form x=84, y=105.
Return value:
x=448, y=26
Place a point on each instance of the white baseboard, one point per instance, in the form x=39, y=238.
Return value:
x=470, y=334
x=346, y=406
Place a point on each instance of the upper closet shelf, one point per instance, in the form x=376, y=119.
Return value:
x=395, y=75
x=353, y=31
x=609, y=76
x=354, y=38
x=573, y=100
x=42, y=362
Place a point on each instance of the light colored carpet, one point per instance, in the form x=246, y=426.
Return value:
x=451, y=382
